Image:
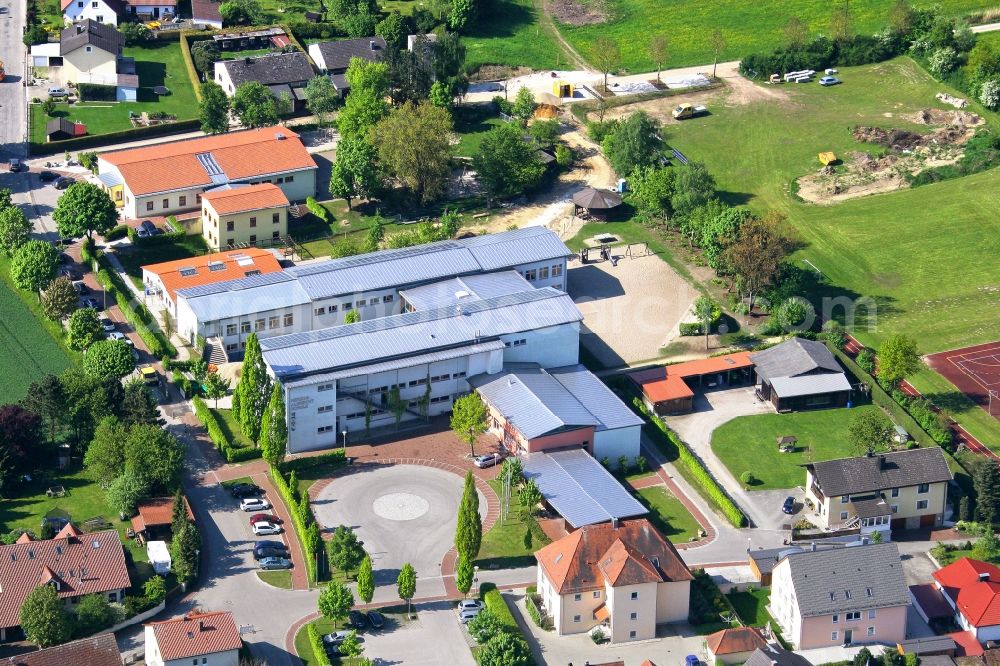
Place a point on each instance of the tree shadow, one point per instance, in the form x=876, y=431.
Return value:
x=503, y=20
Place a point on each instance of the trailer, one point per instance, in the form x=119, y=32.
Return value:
x=159, y=556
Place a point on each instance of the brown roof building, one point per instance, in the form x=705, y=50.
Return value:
x=193, y=635
x=155, y=516
x=75, y=564
x=100, y=650
x=623, y=576
x=734, y=645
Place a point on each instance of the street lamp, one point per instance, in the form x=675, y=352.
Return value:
x=475, y=575
x=344, y=434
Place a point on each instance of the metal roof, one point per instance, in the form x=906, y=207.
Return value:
x=879, y=472
x=464, y=289
x=269, y=291
x=791, y=387
x=579, y=488
x=385, y=338
x=595, y=395
x=793, y=357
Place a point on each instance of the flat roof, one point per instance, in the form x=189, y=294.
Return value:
x=667, y=382
x=464, y=289
x=793, y=387
x=579, y=488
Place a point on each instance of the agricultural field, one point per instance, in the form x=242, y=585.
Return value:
x=748, y=27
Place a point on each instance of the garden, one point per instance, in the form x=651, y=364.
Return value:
x=668, y=515
x=511, y=542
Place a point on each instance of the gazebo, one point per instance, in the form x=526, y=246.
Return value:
x=596, y=202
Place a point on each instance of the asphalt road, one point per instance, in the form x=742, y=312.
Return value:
x=12, y=102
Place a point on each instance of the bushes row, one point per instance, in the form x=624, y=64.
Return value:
x=821, y=53
x=218, y=437
x=302, y=519
x=169, y=236
x=934, y=423
x=493, y=601
x=114, y=137
x=121, y=231
x=713, y=491
x=316, y=643
x=136, y=314
x=93, y=92
x=309, y=462
x=317, y=210
x=690, y=328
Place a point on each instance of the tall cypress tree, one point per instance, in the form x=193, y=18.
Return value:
x=252, y=394
x=469, y=529
x=179, y=517
x=273, y=429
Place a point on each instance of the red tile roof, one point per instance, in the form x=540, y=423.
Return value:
x=158, y=511
x=242, y=199
x=234, y=265
x=196, y=634
x=80, y=563
x=667, y=382
x=623, y=555
x=735, y=640
x=172, y=166
x=966, y=643
x=974, y=586
x=100, y=650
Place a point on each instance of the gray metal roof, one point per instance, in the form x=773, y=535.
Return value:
x=404, y=334
x=791, y=387
x=879, y=472
x=848, y=579
x=773, y=655
x=464, y=289
x=596, y=397
x=579, y=488
x=236, y=298
x=511, y=248
x=794, y=357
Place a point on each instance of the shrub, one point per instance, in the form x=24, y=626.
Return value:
x=316, y=643
x=495, y=603
x=316, y=209
x=211, y=422
x=689, y=328
x=121, y=231
x=989, y=94
x=135, y=313
x=133, y=134
x=942, y=61
x=747, y=479
x=93, y=92
x=866, y=360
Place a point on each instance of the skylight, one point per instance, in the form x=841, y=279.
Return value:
x=216, y=266
x=188, y=271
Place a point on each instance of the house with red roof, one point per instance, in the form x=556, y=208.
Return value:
x=734, y=645
x=244, y=215
x=212, y=639
x=74, y=563
x=972, y=589
x=622, y=576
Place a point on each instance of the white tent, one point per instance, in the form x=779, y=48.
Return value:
x=159, y=556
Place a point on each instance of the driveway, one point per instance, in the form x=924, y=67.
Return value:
x=435, y=638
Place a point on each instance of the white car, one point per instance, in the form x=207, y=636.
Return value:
x=263, y=528
x=466, y=615
x=254, y=504
x=107, y=324
x=118, y=335
x=470, y=605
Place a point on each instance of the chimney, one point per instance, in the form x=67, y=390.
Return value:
x=984, y=575
x=616, y=522
x=201, y=625
x=864, y=541
x=881, y=462
x=371, y=44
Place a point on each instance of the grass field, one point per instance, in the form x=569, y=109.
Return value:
x=748, y=27
x=230, y=428
x=158, y=64
x=512, y=35
x=281, y=579
x=32, y=345
x=472, y=124
x=669, y=515
x=751, y=606
x=749, y=444
x=507, y=545
x=134, y=258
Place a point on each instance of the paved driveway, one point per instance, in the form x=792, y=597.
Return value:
x=435, y=638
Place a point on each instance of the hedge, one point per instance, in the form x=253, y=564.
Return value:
x=215, y=433
x=689, y=328
x=713, y=491
x=114, y=137
x=316, y=30
x=192, y=71
x=121, y=231
x=93, y=92
x=298, y=464
x=316, y=209
x=494, y=601
x=301, y=517
x=316, y=643
x=135, y=313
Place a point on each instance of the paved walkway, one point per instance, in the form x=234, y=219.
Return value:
x=986, y=27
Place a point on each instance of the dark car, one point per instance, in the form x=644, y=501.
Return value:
x=64, y=182
x=90, y=302
x=47, y=176
x=16, y=165
x=81, y=288
x=375, y=619
x=245, y=490
x=148, y=226
x=265, y=517
x=789, y=505
x=357, y=619
x=331, y=649
x=65, y=258
x=261, y=553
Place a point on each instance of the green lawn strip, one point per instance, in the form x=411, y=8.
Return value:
x=286, y=11
x=281, y=579
x=33, y=346
x=230, y=428
x=751, y=606
x=506, y=544
x=748, y=444
x=748, y=27
x=134, y=258
x=971, y=416
x=669, y=515
x=232, y=482
x=511, y=35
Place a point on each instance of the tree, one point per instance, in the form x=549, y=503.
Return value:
x=273, y=429
x=321, y=97
x=184, y=553
x=987, y=546
x=658, y=53
x=253, y=390
x=138, y=405
x=986, y=481
x=34, y=265
x=366, y=104
x=351, y=645
x=105, y=457
x=530, y=496
x=901, y=17
x=355, y=170
x=84, y=208
x=213, y=110
x=46, y=398
x=524, y=105
x=469, y=527
x=462, y=13
x=796, y=33
x=125, y=492
x=840, y=22
x=607, y=57
x=704, y=311
x=204, y=54
x=440, y=95
x=485, y=625
x=216, y=386
x=870, y=431
x=964, y=508
x=545, y=132
x=254, y=105
x=86, y=402
x=633, y=143
x=59, y=300
x=155, y=590
x=109, y=357
x=694, y=187
x=862, y=658
x=414, y=145
x=393, y=30
x=758, y=253
x=135, y=33
x=346, y=551
x=352, y=317
x=155, y=455
x=897, y=359
x=505, y=649
x=44, y=618
x=366, y=580
x=406, y=584
x=361, y=23
x=376, y=234
x=719, y=232
x=335, y=601
x=178, y=513
x=14, y=229
x=505, y=164
x=650, y=191
x=241, y=12
x=463, y=574
x=21, y=446
x=468, y=419
x=718, y=42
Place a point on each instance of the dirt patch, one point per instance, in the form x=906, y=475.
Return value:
x=745, y=91
x=907, y=154
x=499, y=72
x=574, y=12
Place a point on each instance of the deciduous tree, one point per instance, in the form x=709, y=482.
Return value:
x=524, y=105
x=505, y=164
x=34, y=265
x=156, y=455
x=46, y=398
x=870, y=431
x=658, y=52
x=796, y=33
x=273, y=429
x=213, y=110
x=607, y=57
x=694, y=187
x=897, y=359
x=216, y=386
x=346, y=551
x=406, y=584
x=105, y=457
x=241, y=12
x=14, y=229
x=468, y=419
x=93, y=613
x=254, y=105
x=204, y=53
x=59, y=300
x=138, y=405
x=321, y=97
x=366, y=104
x=84, y=328
x=704, y=310
x=469, y=526
x=758, y=252
x=44, y=618
x=355, y=169
x=505, y=649
x=84, y=208
x=366, y=580
x=414, y=145
x=718, y=42
x=109, y=358
x=719, y=233
x=633, y=143
x=21, y=446
x=392, y=29
x=335, y=601
x=485, y=626
x=125, y=492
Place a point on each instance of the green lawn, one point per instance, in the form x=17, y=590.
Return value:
x=134, y=257
x=509, y=544
x=285, y=11
x=393, y=615
x=751, y=606
x=749, y=444
x=230, y=428
x=32, y=345
x=158, y=64
x=973, y=418
x=748, y=27
x=281, y=579
x=471, y=124
x=669, y=515
x=512, y=35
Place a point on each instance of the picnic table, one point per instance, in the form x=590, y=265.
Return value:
x=55, y=491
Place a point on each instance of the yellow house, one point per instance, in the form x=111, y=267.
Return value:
x=247, y=215
x=92, y=53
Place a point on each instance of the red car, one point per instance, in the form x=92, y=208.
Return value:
x=264, y=517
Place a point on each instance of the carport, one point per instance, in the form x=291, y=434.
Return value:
x=668, y=389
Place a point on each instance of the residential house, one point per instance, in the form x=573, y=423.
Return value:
x=775, y=655
x=74, y=563
x=842, y=596
x=154, y=518
x=169, y=178
x=162, y=281
x=206, y=13
x=621, y=575
x=284, y=74
x=972, y=589
x=59, y=129
x=102, y=11
x=734, y=645
x=896, y=490
x=800, y=374
x=99, y=650
x=670, y=389
x=151, y=10
x=244, y=215
x=91, y=52
x=534, y=409
x=334, y=57
x=210, y=639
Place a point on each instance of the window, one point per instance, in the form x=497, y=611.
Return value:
x=576, y=618
x=253, y=222
x=921, y=505
x=244, y=327
x=847, y=594
x=275, y=235
x=833, y=636
x=326, y=428
x=197, y=198
x=871, y=631
x=923, y=488
x=288, y=319
x=871, y=614
x=845, y=499
x=577, y=597
x=632, y=634
x=633, y=616
x=149, y=205
x=275, y=218
x=543, y=273
x=324, y=387
x=557, y=270
x=894, y=492
x=253, y=238
x=635, y=595
x=182, y=200
x=320, y=311
x=230, y=225
x=258, y=325
x=894, y=507
x=289, y=179
x=166, y=203
x=869, y=593
x=272, y=322
x=232, y=346
x=597, y=594
x=331, y=309
x=852, y=616
x=359, y=304
x=79, y=5
x=836, y=618
x=100, y=19
x=373, y=301
x=88, y=49
x=843, y=515
x=112, y=596
x=347, y=306
x=230, y=329
x=530, y=275
x=324, y=409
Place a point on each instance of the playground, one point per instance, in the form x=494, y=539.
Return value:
x=975, y=371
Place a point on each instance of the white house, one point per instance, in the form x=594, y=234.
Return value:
x=972, y=589
x=102, y=11
x=92, y=52
x=205, y=639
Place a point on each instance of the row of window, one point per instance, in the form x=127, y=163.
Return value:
x=921, y=506
x=597, y=595
x=274, y=321
x=835, y=636
x=515, y=343
x=854, y=616
x=231, y=224
x=542, y=273
x=181, y=202
x=231, y=242
x=330, y=309
x=416, y=382
x=922, y=489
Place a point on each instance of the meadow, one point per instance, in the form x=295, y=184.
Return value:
x=514, y=35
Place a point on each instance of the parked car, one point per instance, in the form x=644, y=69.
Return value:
x=829, y=81
x=254, y=504
x=142, y=233
x=65, y=271
x=81, y=287
x=487, y=460
x=789, y=505
x=275, y=563
x=90, y=302
x=470, y=604
x=148, y=226
x=336, y=638
x=331, y=650
x=107, y=324
x=264, y=528
x=64, y=182
x=260, y=553
x=375, y=619
x=466, y=615
x=47, y=176
x=265, y=517
x=244, y=489
x=64, y=259
x=357, y=619
x=56, y=91
x=15, y=165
